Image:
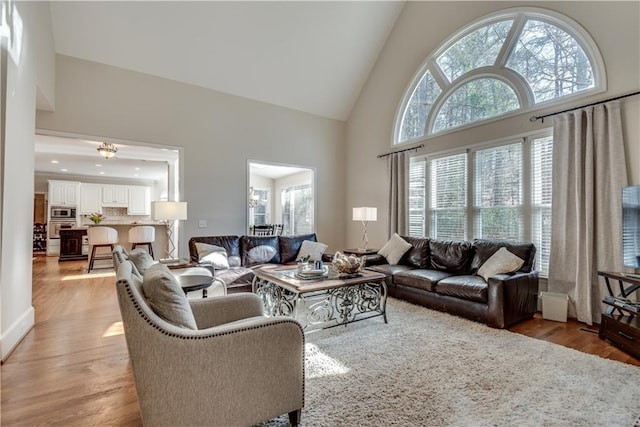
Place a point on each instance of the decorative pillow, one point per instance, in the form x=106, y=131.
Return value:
x=313, y=250
x=394, y=249
x=212, y=254
x=166, y=298
x=141, y=259
x=501, y=262
x=260, y=255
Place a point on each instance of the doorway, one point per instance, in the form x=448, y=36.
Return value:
x=281, y=194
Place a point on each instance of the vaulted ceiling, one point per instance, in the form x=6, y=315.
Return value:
x=305, y=55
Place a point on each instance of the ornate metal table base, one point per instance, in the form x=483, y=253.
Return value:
x=327, y=308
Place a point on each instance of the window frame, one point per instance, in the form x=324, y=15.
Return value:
x=471, y=210
x=519, y=15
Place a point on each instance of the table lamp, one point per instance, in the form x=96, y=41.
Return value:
x=169, y=212
x=365, y=214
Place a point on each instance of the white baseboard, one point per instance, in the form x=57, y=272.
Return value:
x=16, y=332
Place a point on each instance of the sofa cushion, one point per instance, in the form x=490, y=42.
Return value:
x=450, y=255
x=141, y=259
x=500, y=262
x=484, y=248
x=418, y=255
x=420, y=279
x=290, y=246
x=212, y=254
x=312, y=250
x=394, y=249
x=166, y=298
x=259, y=250
x=389, y=271
x=230, y=243
x=471, y=288
x=235, y=275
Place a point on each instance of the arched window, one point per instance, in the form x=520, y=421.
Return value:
x=506, y=63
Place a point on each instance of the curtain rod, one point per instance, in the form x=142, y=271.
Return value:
x=400, y=151
x=535, y=118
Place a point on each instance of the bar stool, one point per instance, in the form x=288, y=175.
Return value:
x=101, y=237
x=143, y=235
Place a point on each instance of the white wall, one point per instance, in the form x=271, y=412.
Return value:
x=30, y=64
x=219, y=134
x=421, y=27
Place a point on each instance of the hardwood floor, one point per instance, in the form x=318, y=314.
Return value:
x=72, y=369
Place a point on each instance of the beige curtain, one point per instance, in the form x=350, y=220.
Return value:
x=398, y=166
x=589, y=171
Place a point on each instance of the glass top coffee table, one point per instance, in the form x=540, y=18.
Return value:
x=326, y=301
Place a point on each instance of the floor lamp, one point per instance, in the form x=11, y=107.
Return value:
x=365, y=215
x=169, y=212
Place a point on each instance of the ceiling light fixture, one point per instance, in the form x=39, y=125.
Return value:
x=54, y=161
x=107, y=149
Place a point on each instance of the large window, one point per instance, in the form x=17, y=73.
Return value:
x=297, y=209
x=260, y=214
x=501, y=191
x=508, y=62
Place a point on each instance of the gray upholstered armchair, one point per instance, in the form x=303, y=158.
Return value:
x=238, y=368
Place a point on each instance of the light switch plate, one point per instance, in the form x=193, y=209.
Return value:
x=202, y=223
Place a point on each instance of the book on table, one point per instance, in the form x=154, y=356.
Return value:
x=625, y=303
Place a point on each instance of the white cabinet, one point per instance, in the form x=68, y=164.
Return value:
x=63, y=193
x=115, y=196
x=90, y=198
x=139, y=200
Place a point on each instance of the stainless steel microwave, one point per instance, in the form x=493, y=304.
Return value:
x=63, y=213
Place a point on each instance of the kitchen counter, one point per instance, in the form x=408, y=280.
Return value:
x=128, y=223
x=159, y=245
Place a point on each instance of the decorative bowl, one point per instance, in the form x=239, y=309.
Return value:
x=347, y=264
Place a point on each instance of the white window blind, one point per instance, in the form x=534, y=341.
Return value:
x=631, y=226
x=541, y=162
x=417, y=196
x=498, y=192
x=510, y=198
x=448, y=185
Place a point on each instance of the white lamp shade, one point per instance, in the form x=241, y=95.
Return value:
x=169, y=211
x=365, y=214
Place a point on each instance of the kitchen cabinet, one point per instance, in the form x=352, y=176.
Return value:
x=139, y=200
x=90, y=198
x=63, y=193
x=115, y=196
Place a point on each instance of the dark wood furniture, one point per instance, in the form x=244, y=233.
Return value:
x=39, y=237
x=195, y=282
x=620, y=325
x=71, y=244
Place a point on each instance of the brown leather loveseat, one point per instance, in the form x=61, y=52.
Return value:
x=441, y=275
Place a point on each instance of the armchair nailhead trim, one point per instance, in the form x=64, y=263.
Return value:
x=127, y=285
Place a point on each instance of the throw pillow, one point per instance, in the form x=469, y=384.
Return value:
x=141, y=259
x=313, y=250
x=260, y=255
x=394, y=249
x=501, y=262
x=166, y=298
x=212, y=254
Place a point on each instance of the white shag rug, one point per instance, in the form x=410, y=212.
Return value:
x=427, y=368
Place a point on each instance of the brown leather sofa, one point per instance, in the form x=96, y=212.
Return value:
x=239, y=275
x=441, y=275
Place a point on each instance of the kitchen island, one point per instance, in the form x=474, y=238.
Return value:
x=71, y=244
